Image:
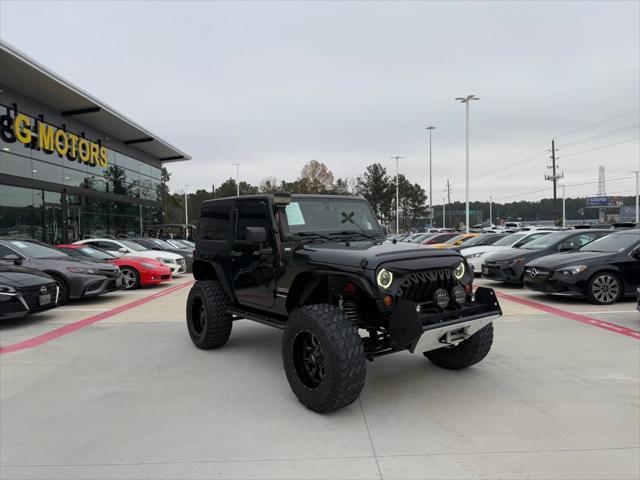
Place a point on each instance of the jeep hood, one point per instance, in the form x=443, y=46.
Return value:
x=369, y=254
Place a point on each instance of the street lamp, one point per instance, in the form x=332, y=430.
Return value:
x=429, y=129
x=397, y=194
x=466, y=100
x=186, y=206
x=237, y=178
x=637, y=172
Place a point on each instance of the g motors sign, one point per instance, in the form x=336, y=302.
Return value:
x=36, y=134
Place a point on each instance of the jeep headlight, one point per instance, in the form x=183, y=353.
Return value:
x=384, y=278
x=458, y=272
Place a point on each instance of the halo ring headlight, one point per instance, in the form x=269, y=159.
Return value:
x=458, y=272
x=384, y=278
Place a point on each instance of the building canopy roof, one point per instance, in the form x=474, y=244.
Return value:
x=22, y=74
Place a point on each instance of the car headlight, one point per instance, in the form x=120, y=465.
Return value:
x=384, y=278
x=572, y=270
x=473, y=255
x=81, y=270
x=7, y=289
x=165, y=260
x=150, y=266
x=458, y=272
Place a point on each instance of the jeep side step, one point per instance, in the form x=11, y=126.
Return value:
x=240, y=313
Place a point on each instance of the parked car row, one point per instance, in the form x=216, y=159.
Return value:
x=35, y=276
x=601, y=265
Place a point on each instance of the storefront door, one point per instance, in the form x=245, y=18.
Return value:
x=73, y=224
x=52, y=223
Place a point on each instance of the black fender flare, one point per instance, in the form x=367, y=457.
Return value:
x=306, y=283
x=206, y=270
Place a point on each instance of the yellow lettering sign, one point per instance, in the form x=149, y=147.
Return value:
x=22, y=128
x=45, y=137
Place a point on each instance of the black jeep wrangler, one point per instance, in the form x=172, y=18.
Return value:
x=319, y=268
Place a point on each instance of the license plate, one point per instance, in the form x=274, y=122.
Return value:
x=44, y=299
x=119, y=282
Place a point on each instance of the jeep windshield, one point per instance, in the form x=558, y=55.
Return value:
x=326, y=217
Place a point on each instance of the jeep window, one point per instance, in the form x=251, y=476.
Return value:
x=252, y=215
x=214, y=222
x=331, y=215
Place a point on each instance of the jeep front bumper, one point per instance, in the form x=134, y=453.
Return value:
x=411, y=329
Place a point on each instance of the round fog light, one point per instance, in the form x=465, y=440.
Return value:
x=441, y=298
x=459, y=295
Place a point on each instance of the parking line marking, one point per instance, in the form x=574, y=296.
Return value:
x=72, y=327
x=612, y=327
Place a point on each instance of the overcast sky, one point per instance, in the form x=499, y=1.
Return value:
x=272, y=85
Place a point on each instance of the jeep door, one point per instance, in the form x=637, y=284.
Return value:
x=252, y=265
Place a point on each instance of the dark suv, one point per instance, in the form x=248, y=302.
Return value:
x=317, y=267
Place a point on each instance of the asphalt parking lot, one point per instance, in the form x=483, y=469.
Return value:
x=113, y=388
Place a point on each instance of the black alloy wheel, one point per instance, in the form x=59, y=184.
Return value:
x=308, y=359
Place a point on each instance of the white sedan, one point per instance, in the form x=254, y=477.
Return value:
x=124, y=248
x=476, y=256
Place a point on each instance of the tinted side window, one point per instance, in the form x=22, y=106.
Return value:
x=253, y=215
x=214, y=222
x=109, y=245
x=5, y=251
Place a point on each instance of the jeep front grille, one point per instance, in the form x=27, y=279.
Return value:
x=420, y=286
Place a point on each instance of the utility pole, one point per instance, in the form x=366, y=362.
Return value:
x=430, y=129
x=564, y=209
x=443, y=213
x=448, y=192
x=397, y=158
x=554, y=177
x=637, y=174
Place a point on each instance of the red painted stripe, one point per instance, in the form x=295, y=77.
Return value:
x=72, y=327
x=612, y=327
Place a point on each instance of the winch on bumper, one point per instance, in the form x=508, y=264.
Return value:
x=412, y=326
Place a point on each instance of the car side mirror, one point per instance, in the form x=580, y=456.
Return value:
x=123, y=250
x=256, y=235
x=636, y=254
x=12, y=258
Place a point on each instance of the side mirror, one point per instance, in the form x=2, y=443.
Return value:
x=636, y=254
x=12, y=258
x=123, y=250
x=256, y=235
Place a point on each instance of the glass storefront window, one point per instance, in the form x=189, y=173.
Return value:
x=17, y=165
x=74, y=177
x=46, y=171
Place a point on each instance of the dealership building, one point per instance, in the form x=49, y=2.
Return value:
x=72, y=167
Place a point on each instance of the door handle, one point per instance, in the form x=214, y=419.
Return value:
x=236, y=254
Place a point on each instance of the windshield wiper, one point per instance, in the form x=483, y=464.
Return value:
x=351, y=233
x=314, y=234
x=349, y=218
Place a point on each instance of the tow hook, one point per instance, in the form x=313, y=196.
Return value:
x=454, y=337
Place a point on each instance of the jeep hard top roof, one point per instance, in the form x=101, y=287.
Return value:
x=267, y=196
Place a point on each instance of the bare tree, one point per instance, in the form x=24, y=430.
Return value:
x=269, y=185
x=315, y=178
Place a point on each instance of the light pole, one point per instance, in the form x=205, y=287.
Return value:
x=430, y=129
x=466, y=100
x=397, y=158
x=564, y=209
x=637, y=172
x=237, y=178
x=490, y=211
x=186, y=206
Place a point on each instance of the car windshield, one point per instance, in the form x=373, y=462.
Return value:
x=35, y=250
x=133, y=246
x=163, y=244
x=545, y=241
x=509, y=239
x=614, y=242
x=331, y=215
x=475, y=240
x=95, y=253
x=453, y=240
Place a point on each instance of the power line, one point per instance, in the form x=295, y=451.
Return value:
x=601, y=146
x=598, y=123
x=601, y=135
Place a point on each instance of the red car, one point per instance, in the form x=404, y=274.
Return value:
x=136, y=271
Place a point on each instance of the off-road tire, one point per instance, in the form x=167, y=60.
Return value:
x=342, y=351
x=591, y=286
x=467, y=353
x=208, y=298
